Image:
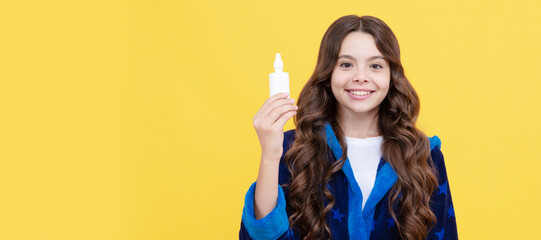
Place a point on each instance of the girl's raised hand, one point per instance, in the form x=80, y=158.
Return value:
x=269, y=124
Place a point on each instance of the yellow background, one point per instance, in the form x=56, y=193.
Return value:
x=133, y=119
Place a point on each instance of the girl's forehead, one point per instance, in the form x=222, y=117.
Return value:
x=359, y=44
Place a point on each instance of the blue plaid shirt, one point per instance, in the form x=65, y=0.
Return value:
x=347, y=220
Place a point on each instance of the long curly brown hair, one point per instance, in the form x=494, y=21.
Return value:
x=404, y=146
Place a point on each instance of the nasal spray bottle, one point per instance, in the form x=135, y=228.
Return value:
x=278, y=80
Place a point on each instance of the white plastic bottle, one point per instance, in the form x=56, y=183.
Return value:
x=278, y=80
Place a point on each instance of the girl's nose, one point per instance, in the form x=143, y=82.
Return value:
x=360, y=76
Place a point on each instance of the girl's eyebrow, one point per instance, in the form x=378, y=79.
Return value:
x=369, y=59
x=346, y=56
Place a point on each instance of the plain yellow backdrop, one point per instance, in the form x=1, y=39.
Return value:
x=133, y=119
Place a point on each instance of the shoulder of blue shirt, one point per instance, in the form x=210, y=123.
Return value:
x=435, y=151
x=289, y=138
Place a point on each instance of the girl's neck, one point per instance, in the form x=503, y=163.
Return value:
x=360, y=126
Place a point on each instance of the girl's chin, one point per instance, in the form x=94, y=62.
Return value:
x=360, y=111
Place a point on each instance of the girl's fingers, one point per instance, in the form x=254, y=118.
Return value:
x=279, y=112
x=280, y=95
x=270, y=100
x=269, y=121
x=286, y=116
x=266, y=113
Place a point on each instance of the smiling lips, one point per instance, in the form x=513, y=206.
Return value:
x=360, y=94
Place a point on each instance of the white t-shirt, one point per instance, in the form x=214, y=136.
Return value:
x=364, y=155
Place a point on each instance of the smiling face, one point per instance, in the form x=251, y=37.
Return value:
x=360, y=80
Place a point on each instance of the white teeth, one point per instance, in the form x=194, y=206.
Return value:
x=360, y=93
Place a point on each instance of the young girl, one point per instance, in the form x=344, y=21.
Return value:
x=355, y=167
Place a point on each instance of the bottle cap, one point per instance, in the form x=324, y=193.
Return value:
x=278, y=64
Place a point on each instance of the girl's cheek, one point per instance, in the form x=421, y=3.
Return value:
x=349, y=74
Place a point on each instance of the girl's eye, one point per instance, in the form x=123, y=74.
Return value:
x=345, y=64
x=376, y=66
